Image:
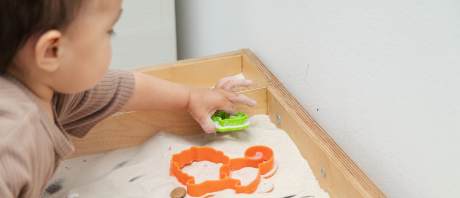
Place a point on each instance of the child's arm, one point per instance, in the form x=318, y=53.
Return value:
x=152, y=93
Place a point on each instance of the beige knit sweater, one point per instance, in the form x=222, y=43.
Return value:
x=32, y=145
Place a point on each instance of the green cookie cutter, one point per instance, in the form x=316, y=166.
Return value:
x=225, y=122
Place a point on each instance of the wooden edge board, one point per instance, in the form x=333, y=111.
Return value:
x=250, y=72
x=354, y=182
x=332, y=183
x=187, y=61
x=200, y=72
x=132, y=128
x=254, y=86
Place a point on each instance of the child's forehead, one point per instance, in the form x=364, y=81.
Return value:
x=100, y=5
x=95, y=14
x=95, y=9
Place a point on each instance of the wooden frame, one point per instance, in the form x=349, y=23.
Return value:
x=342, y=179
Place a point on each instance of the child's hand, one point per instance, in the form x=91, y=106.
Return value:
x=205, y=102
x=154, y=94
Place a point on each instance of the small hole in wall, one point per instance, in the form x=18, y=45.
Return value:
x=317, y=109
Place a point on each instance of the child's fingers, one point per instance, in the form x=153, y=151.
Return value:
x=208, y=125
x=240, y=98
x=234, y=83
x=228, y=106
x=223, y=81
x=205, y=122
x=231, y=112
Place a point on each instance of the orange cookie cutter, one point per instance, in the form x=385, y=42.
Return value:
x=261, y=157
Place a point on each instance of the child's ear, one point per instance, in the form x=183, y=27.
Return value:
x=48, y=49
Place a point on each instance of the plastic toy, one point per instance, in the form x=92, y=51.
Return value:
x=261, y=157
x=225, y=122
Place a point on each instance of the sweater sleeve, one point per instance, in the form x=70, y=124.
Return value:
x=15, y=176
x=79, y=113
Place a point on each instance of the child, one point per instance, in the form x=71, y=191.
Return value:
x=54, y=81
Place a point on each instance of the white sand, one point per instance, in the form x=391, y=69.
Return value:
x=143, y=171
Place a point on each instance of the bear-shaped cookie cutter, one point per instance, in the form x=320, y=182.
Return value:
x=261, y=157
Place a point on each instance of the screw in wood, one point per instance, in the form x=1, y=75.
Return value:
x=323, y=172
x=278, y=119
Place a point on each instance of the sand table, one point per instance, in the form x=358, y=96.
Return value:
x=143, y=171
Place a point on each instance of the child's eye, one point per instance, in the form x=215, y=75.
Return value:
x=111, y=32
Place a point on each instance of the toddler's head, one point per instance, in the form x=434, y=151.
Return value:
x=62, y=44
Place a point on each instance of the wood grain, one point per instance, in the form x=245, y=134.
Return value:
x=132, y=128
x=343, y=178
x=250, y=72
x=259, y=95
x=198, y=72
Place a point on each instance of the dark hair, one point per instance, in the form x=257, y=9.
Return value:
x=20, y=19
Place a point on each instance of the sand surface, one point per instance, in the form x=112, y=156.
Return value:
x=143, y=171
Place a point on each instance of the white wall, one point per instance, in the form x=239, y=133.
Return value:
x=145, y=34
x=381, y=77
